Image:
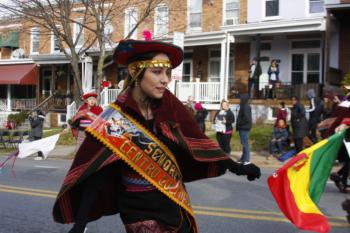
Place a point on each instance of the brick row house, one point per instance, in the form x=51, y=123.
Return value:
x=219, y=37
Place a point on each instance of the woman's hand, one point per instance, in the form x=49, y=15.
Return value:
x=250, y=170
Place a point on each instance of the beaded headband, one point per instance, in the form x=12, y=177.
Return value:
x=150, y=64
x=147, y=64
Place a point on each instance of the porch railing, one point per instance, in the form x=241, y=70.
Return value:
x=205, y=92
x=18, y=104
x=108, y=96
x=23, y=104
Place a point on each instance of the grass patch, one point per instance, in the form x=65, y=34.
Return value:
x=258, y=139
x=65, y=139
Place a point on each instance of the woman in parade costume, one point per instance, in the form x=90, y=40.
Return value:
x=140, y=172
x=86, y=114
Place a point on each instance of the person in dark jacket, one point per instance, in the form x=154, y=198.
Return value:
x=253, y=79
x=279, y=138
x=243, y=126
x=201, y=115
x=36, y=120
x=299, y=123
x=316, y=110
x=223, y=126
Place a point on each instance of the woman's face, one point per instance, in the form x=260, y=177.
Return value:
x=156, y=79
x=91, y=101
x=225, y=106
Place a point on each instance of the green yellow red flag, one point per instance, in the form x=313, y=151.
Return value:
x=298, y=185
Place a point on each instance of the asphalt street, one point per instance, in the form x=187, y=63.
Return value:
x=226, y=204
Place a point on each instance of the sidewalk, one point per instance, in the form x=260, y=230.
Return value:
x=68, y=151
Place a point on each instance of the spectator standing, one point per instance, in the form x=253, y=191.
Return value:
x=315, y=111
x=201, y=115
x=224, y=119
x=243, y=126
x=190, y=105
x=273, y=73
x=281, y=113
x=327, y=106
x=253, y=79
x=36, y=120
x=299, y=123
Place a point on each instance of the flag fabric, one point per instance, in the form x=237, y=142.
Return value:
x=298, y=185
x=45, y=145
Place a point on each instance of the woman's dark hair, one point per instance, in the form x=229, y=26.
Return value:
x=282, y=104
x=295, y=97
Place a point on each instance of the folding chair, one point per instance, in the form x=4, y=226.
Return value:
x=16, y=138
x=4, y=138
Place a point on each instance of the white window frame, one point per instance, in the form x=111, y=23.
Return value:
x=189, y=28
x=305, y=52
x=214, y=59
x=161, y=28
x=37, y=40
x=77, y=28
x=128, y=24
x=235, y=21
x=308, y=13
x=275, y=17
x=53, y=37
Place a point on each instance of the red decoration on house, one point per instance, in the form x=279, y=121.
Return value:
x=106, y=84
x=147, y=34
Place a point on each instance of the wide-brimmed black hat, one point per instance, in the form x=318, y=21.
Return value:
x=128, y=49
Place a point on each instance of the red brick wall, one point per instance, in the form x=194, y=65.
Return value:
x=345, y=1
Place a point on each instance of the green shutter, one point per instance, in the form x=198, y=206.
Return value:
x=10, y=40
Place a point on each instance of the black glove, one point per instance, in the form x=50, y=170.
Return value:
x=250, y=170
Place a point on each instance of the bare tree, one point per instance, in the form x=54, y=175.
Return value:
x=105, y=14
x=92, y=19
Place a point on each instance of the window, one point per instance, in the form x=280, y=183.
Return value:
x=34, y=40
x=316, y=6
x=232, y=12
x=306, y=44
x=306, y=68
x=161, y=21
x=265, y=46
x=195, y=16
x=130, y=22
x=79, y=33
x=271, y=8
x=55, y=45
x=214, y=65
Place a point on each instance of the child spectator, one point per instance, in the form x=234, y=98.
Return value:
x=279, y=138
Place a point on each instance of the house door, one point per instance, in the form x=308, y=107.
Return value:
x=46, y=83
x=187, y=71
x=305, y=68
